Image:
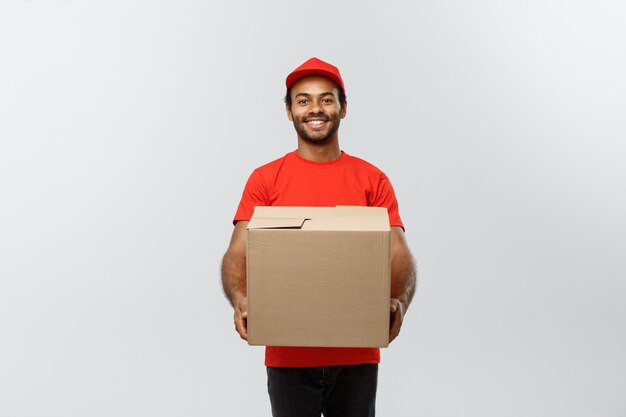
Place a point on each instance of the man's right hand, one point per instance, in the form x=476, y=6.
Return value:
x=234, y=277
x=241, y=317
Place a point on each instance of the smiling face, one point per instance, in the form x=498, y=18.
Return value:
x=315, y=109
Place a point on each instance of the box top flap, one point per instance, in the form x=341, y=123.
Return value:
x=351, y=218
x=285, y=212
x=275, y=223
x=360, y=211
x=348, y=223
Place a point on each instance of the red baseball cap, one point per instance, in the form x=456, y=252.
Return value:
x=315, y=66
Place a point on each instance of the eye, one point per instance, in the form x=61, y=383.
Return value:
x=303, y=101
x=327, y=100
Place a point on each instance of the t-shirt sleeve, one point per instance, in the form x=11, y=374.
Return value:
x=254, y=194
x=386, y=197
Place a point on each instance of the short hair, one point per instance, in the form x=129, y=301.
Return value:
x=342, y=97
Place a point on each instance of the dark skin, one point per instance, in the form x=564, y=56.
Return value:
x=234, y=277
x=316, y=114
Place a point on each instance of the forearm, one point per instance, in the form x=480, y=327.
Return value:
x=234, y=277
x=403, y=278
x=403, y=269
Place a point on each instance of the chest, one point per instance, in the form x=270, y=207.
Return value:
x=321, y=188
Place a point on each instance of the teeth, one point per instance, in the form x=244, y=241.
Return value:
x=315, y=122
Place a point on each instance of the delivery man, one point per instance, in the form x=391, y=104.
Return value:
x=310, y=381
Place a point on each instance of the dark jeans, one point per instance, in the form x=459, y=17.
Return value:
x=335, y=391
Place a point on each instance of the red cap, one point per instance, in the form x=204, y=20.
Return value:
x=315, y=66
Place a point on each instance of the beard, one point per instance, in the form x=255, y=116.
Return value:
x=317, y=138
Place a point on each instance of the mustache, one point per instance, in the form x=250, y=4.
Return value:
x=320, y=117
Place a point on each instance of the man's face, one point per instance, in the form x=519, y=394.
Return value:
x=315, y=109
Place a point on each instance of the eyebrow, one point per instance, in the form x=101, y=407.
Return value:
x=319, y=95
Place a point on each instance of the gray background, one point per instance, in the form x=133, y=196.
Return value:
x=128, y=129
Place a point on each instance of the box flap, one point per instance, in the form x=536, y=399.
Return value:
x=352, y=223
x=275, y=223
x=340, y=218
x=285, y=212
x=360, y=211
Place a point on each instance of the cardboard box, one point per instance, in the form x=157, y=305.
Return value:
x=319, y=276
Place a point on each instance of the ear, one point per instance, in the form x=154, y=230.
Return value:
x=344, y=110
x=289, y=114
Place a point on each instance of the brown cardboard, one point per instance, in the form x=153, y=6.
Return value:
x=319, y=276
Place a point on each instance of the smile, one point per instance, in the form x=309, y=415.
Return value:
x=316, y=123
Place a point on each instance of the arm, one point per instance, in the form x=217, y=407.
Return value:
x=234, y=277
x=403, y=280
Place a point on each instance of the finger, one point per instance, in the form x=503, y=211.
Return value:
x=395, y=325
x=241, y=325
x=393, y=337
x=244, y=326
x=241, y=329
x=393, y=333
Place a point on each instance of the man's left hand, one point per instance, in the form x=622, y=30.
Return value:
x=396, y=316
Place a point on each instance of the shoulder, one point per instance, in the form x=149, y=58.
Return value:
x=366, y=166
x=274, y=165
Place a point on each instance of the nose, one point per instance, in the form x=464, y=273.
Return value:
x=315, y=107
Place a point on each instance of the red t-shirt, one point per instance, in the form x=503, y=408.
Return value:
x=295, y=181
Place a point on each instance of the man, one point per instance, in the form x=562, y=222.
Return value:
x=306, y=381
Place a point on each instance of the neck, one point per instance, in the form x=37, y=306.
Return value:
x=319, y=152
